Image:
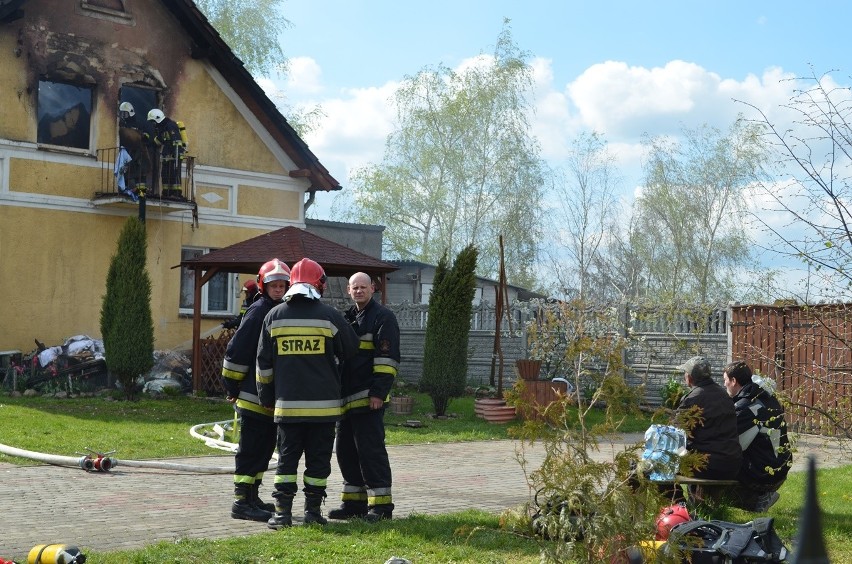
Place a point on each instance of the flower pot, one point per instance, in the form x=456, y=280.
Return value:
x=402, y=405
x=499, y=413
x=481, y=404
x=528, y=369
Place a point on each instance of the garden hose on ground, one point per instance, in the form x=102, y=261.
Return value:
x=103, y=463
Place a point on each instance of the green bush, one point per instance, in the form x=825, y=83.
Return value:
x=671, y=393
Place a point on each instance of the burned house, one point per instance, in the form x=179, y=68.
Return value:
x=66, y=67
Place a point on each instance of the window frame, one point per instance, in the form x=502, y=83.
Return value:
x=41, y=114
x=187, y=277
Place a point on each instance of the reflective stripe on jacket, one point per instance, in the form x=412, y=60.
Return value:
x=301, y=345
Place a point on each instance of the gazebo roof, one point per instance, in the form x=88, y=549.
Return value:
x=290, y=245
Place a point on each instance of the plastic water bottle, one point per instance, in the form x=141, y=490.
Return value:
x=663, y=445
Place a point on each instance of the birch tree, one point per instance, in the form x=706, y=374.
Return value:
x=461, y=168
x=691, y=213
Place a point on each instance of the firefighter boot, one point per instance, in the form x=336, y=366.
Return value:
x=313, y=509
x=283, y=516
x=379, y=513
x=255, y=499
x=348, y=510
x=243, y=508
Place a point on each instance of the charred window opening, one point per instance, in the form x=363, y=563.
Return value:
x=64, y=114
x=143, y=100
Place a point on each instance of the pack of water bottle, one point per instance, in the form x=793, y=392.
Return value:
x=664, y=445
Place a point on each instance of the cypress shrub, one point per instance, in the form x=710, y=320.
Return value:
x=127, y=326
x=448, y=328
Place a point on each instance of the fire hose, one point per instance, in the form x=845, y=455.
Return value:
x=103, y=462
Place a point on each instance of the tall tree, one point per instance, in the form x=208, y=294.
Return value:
x=807, y=213
x=461, y=168
x=251, y=29
x=690, y=214
x=448, y=328
x=583, y=217
x=127, y=326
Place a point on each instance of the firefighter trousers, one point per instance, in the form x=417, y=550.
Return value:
x=316, y=442
x=363, y=457
x=257, y=443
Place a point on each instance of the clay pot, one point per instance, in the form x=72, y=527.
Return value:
x=481, y=404
x=499, y=414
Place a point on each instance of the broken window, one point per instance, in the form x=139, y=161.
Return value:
x=64, y=114
x=216, y=295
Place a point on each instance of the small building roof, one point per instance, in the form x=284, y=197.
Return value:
x=290, y=245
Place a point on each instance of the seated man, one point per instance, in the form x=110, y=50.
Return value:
x=767, y=455
x=715, y=435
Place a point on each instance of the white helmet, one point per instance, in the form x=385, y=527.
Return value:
x=127, y=107
x=156, y=115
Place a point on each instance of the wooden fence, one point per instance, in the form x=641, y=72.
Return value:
x=806, y=350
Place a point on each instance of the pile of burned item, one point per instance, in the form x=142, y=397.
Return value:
x=80, y=363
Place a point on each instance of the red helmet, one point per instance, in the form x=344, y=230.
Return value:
x=310, y=272
x=271, y=271
x=670, y=517
x=250, y=287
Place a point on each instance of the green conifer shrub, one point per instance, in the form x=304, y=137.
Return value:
x=127, y=326
x=447, y=330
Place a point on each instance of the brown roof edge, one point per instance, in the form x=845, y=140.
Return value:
x=209, y=44
x=289, y=244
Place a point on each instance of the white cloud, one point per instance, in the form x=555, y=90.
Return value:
x=304, y=77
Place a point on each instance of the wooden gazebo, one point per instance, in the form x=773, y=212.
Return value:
x=290, y=245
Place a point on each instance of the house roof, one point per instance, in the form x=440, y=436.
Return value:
x=208, y=44
x=290, y=244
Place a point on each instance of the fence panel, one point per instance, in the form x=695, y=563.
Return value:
x=806, y=349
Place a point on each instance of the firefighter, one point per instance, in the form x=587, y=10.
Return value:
x=301, y=345
x=257, y=428
x=132, y=139
x=367, y=380
x=169, y=138
x=250, y=289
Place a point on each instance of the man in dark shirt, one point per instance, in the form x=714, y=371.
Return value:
x=715, y=434
x=767, y=454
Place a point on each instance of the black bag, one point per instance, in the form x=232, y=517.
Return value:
x=721, y=542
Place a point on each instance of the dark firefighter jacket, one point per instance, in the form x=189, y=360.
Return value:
x=373, y=370
x=716, y=434
x=302, y=343
x=238, y=369
x=767, y=454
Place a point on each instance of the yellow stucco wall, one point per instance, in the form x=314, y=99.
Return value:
x=217, y=132
x=57, y=179
x=262, y=202
x=213, y=197
x=55, y=279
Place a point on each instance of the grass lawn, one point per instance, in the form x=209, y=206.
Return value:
x=158, y=428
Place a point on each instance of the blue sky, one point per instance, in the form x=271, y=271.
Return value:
x=621, y=68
